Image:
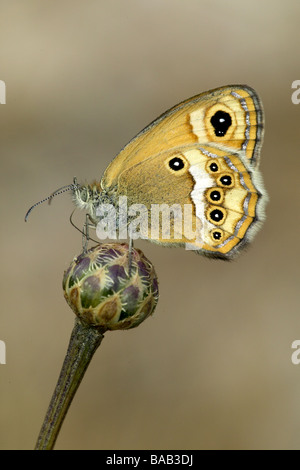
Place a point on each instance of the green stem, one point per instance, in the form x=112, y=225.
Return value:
x=83, y=344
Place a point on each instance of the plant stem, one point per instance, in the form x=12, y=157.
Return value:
x=83, y=344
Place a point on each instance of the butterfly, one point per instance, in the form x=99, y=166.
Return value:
x=202, y=154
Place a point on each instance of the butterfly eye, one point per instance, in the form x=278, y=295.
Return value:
x=221, y=122
x=176, y=164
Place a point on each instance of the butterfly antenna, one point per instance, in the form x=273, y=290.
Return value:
x=49, y=198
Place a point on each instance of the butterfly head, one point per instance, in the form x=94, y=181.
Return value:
x=86, y=196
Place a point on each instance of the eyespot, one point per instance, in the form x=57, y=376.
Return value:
x=215, y=195
x=216, y=215
x=213, y=167
x=217, y=235
x=225, y=180
x=176, y=164
x=221, y=121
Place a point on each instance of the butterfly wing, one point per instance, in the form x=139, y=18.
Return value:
x=214, y=203
x=230, y=116
x=224, y=206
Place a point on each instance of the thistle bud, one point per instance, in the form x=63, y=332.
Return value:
x=102, y=293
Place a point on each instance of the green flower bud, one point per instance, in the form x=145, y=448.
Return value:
x=98, y=288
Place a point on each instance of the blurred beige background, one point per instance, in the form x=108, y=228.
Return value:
x=212, y=368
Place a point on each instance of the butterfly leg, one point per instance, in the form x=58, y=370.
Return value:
x=130, y=256
x=86, y=233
